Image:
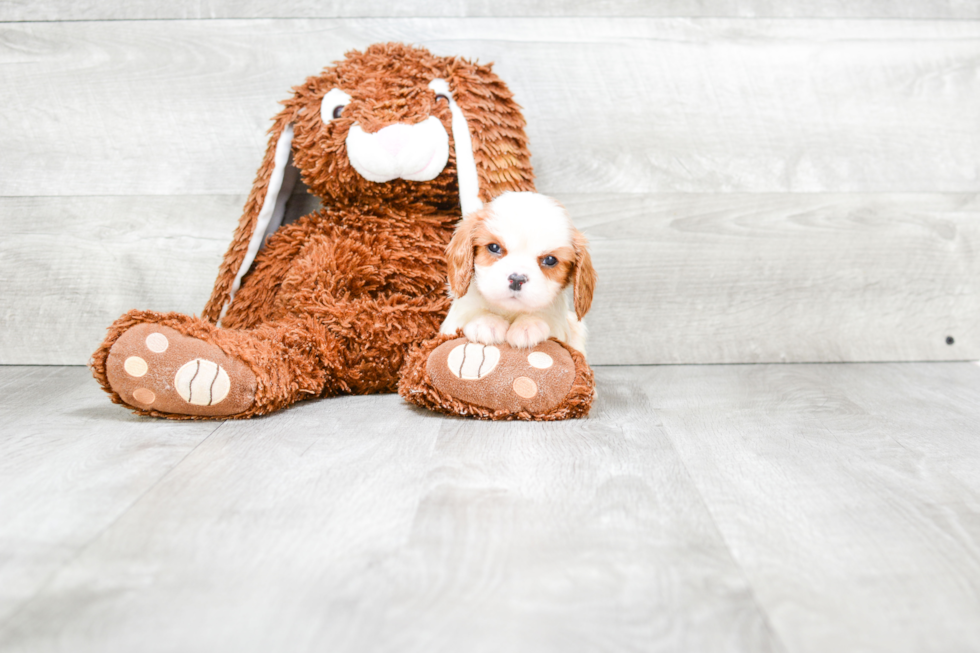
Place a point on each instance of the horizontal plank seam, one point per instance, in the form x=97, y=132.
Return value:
x=695, y=17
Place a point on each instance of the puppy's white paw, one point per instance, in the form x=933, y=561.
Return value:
x=488, y=329
x=526, y=332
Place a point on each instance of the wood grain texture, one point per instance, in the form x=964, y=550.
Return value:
x=841, y=491
x=700, y=508
x=60, y=10
x=613, y=104
x=782, y=278
x=364, y=524
x=70, y=266
x=935, y=419
x=682, y=278
x=71, y=464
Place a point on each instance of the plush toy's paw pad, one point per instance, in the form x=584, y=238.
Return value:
x=154, y=367
x=503, y=378
x=471, y=361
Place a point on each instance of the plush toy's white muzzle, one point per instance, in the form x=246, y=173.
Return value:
x=416, y=152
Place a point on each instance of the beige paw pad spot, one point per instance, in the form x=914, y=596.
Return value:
x=525, y=387
x=135, y=366
x=157, y=343
x=202, y=382
x=540, y=360
x=472, y=361
x=144, y=396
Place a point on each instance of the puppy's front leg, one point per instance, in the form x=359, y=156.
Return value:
x=527, y=331
x=487, y=329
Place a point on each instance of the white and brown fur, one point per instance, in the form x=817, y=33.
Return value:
x=506, y=288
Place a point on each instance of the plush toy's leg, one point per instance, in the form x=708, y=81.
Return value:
x=178, y=366
x=158, y=369
x=452, y=375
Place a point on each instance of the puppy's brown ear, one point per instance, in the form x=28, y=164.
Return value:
x=459, y=254
x=584, y=276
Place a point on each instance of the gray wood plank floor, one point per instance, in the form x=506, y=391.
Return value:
x=701, y=508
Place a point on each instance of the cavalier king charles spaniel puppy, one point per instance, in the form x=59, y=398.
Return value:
x=509, y=266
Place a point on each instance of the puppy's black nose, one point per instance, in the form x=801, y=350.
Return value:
x=516, y=281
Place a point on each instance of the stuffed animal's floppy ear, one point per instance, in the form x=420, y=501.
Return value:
x=496, y=158
x=262, y=215
x=459, y=254
x=584, y=277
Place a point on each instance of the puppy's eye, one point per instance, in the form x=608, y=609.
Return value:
x=493, y=248
x=337, y=111
x=440, y=96
x=549, y=261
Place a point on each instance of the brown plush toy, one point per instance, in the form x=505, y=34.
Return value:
x=396, y=143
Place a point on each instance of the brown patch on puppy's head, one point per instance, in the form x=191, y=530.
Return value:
x=561, y=271
x=484, y=239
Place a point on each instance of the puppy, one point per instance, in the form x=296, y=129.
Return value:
x=509, y=265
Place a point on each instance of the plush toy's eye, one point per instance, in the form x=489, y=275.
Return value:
x=493, y=248
x=333, y=104
x=549, y=261
x=440, y=96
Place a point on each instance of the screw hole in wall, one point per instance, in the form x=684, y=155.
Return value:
x=950, y=340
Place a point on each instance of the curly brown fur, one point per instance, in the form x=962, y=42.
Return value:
x=279, y=357
x=416, y=386
x=388, y=84
x=333, y=302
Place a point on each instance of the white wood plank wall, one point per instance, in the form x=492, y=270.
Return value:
x=760, y=181
x=58, y=10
